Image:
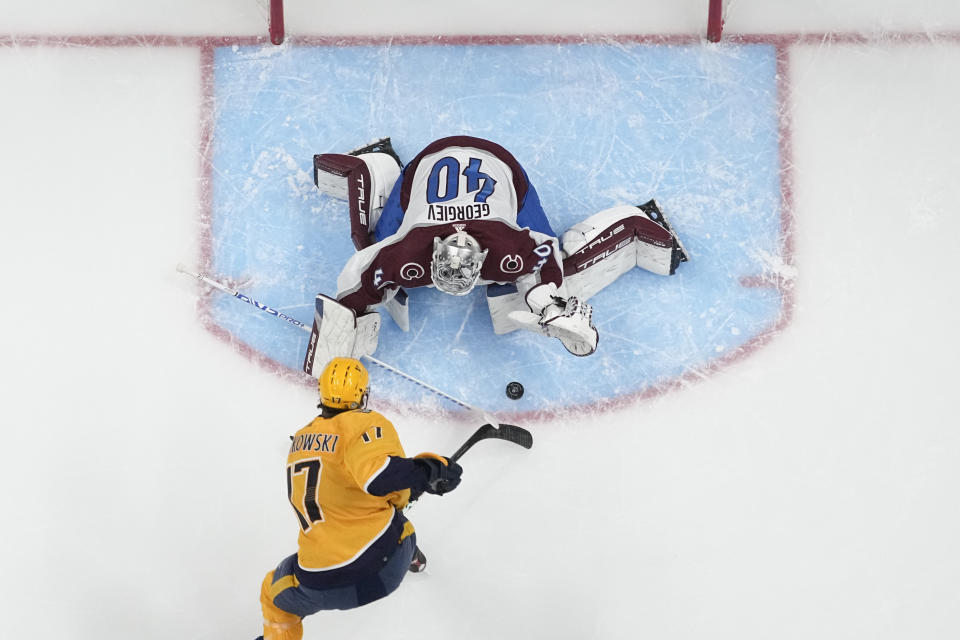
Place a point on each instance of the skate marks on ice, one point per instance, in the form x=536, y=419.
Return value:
x=594, y=124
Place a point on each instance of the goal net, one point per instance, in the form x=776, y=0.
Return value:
x=274, y=14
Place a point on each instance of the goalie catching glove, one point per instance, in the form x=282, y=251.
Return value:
x=567, y=319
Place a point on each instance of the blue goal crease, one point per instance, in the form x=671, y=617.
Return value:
x=594, y=125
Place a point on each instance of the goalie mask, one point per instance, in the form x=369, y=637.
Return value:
x=344, y=384
x=456, y=263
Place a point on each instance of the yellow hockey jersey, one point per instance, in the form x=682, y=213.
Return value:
x=331, y=463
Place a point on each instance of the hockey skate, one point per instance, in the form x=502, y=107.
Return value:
x=652, y=209
x=419, y=561
x=381, y=145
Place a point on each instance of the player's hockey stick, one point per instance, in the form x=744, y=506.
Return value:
x=509, y=432
x=483, y=415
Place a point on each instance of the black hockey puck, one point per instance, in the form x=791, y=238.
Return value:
x=514, y=390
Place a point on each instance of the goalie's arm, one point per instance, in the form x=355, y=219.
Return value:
x=550, y=269
x=351, y=291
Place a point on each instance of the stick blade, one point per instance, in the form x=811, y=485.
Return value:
x=513, y=433
x=508, y=432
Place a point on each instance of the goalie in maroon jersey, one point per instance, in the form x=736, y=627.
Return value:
x=463, y=212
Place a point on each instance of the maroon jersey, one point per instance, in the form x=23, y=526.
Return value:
x=404, y=261
x=455, y=183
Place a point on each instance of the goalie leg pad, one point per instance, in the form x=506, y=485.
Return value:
x=679, y=254
x=338, y=333
x=330, y=173
x=609, y=243
x=364, y=181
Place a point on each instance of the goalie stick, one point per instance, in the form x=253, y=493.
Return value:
x=480, y=413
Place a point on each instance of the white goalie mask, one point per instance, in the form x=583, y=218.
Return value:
x=456, y=263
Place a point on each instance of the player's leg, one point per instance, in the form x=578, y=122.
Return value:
x=279, y=624
x=391, y=575
x=285, y=601
x=364, y=178
x=609, y=243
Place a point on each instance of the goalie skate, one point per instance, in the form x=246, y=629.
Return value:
x=381, y=145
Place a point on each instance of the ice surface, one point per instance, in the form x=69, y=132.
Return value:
x=698, y=129
x=807, y=490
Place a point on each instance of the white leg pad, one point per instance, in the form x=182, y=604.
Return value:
x=653, y=258
x=330, y=182
x=364, y=181
x=383, y=173
x=589, y=281
x=596, y=229
x=608, y=244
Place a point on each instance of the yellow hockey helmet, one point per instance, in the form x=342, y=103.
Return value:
x=344, y=384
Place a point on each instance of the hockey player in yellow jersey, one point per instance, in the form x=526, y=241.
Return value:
x=348, y=480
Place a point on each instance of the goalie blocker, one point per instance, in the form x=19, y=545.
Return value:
x=338, y=332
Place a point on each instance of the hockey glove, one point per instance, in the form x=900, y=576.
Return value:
x=442, y=474
x=568, y=320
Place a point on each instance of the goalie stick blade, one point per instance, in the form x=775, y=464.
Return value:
x=507, y=432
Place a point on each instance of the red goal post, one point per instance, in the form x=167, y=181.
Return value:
x=276, y=22
x=714, y=21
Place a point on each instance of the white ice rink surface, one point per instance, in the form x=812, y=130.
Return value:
x=808, y=491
